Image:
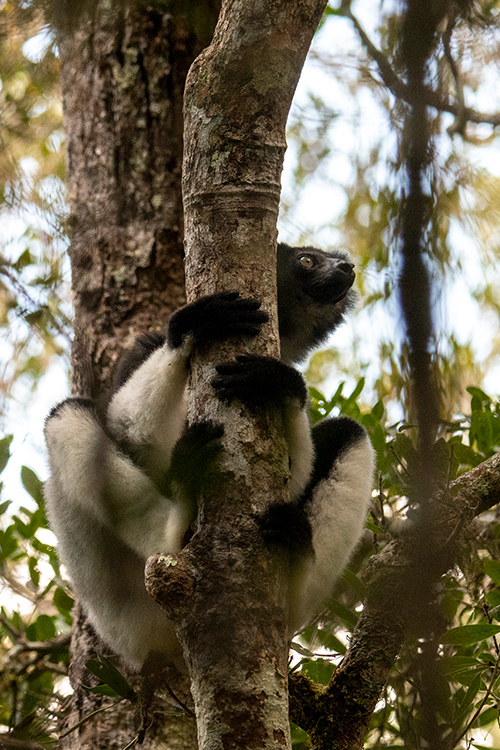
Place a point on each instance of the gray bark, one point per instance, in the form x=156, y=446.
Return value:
x=232, y=621
x=122, y=78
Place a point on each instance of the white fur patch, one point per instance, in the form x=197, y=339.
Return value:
x=300, y=448
x=150, y=409
x=338, y=515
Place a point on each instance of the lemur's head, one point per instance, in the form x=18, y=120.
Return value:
x=314, y=294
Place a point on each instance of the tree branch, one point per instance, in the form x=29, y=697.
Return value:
x=233, y=629
x=402, y=91
x=10, y=743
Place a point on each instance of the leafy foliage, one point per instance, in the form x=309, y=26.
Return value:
x=468, y=668
x=345, y=142
x=35, y=618
x=34, y=312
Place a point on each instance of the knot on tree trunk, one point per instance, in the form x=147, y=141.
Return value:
x=170, y=581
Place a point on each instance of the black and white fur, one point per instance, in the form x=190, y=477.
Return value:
x=124, y=489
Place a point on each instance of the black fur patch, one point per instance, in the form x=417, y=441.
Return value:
x=331, y=438
x=216, y=317
x=259, y=380
x=193, y=456
x=75, y=402
x=287, y=524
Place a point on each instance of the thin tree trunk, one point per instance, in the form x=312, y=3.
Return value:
x=123, y=68
x=232, y=621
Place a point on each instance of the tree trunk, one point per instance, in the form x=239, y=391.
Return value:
x=123, y=68
x=233, y=621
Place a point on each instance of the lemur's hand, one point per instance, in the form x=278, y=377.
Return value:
x=259, y=380
x=194, y=455
x=216, y=317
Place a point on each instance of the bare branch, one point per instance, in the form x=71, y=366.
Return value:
x=460, y=122
x=402, y=91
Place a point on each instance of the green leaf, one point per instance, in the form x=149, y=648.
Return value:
x=354, y=582
x=337, y=396
x=46, y=627
x=5, y=451
x=453, y=664
x=25, y=259
x=32, y=484
x=482, y=429
x=467, y=677
x=33, y=571
x=479, y=394
x=492, y=568
x=468, y=698
x=378, y=410
x=21, y=528
x=331, y=642
x=358, y=390
x=317, y=395
x=63, y=601
x=8, y=544
x=108, y=673
x=301, y=649
x=494, y=613
x=372, y=526
x=468, y=634
x=346, y=615
x=319, y=671
x=43, y=629
x=378, y=439
x=493, y=598
x=299, y=736
x=487, y=717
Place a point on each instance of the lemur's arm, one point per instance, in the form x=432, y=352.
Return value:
x=147, y=413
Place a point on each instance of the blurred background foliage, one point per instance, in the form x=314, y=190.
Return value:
x=35, y=318
x=342, y=186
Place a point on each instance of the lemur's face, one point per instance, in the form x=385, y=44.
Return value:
x=325, y=277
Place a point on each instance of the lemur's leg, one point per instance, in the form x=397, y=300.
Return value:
x=323, y=528
x=92, y=477
x=336, y=502
x=264, y=381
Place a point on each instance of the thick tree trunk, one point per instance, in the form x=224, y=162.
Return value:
x=123, y=69
x=122, y=76
x=233, y=620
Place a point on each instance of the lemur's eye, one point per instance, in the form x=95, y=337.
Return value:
x=306, y=261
